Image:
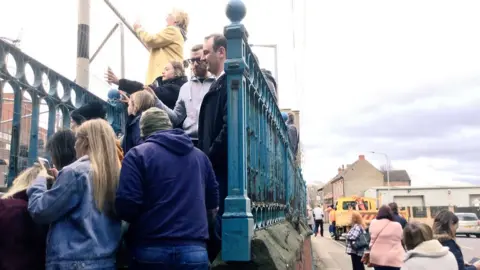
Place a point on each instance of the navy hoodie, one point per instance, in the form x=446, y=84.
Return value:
x=166, y=186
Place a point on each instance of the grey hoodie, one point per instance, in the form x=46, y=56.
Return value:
x=188, y=104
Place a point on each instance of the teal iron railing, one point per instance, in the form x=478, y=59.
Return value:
x=265, y=186
x=20, y=130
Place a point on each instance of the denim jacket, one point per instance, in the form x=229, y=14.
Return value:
x=80, y=236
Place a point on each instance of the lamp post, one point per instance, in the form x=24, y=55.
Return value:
x=388, y=169
x=275, y=52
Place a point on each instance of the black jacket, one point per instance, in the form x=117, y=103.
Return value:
x=167, y=90
x=447, y=241
x=212, y=126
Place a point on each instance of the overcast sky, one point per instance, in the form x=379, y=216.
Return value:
x=400, y=78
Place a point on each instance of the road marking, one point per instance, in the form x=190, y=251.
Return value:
x=469, y=248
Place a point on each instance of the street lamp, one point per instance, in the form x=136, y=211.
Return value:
x=388, y=168
x=275, y=52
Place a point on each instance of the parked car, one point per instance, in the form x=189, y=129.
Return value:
x=468, y=224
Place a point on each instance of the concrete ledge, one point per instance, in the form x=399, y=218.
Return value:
x=279, y=247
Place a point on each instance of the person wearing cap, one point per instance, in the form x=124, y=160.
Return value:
x=169, y=195
x=89, y=111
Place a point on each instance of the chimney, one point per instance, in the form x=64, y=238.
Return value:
x=361, y=157
x=339, y=170
x=343, y=168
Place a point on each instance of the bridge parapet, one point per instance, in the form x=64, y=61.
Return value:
x=265, y=186
x=33, y=85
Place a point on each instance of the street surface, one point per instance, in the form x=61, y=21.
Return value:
x=470, y=247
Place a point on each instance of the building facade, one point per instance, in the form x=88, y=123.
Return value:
x=458, y=196
x=354, y=179
x=25, y=124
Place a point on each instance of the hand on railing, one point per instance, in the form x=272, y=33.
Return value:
x=111, y=77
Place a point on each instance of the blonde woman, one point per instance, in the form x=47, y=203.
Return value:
x=357, y=230
x=23, y=242
x=138, y=102
x=166, y=45
x=84, y=231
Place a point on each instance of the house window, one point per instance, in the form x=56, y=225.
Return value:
x=419, y=212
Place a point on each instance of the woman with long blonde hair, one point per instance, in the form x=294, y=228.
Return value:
x=84, y=230
x=165, y=46
x=138, y=102
x=22, y=245
x=357, y=231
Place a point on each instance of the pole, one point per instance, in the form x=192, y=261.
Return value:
x=104, y=42
x=83, y=44
x=124, y=21
x=275, y=52
x=122, y=50
x=387, y=170
x=388, y=176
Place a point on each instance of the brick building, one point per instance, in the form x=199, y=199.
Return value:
x=354, y=179
x=6, y=131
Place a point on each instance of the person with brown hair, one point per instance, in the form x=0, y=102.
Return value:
x=84, y=230
x=166, y=45
x=357, y=231
x=166, y=88
x=445, y=226
x=137, y=103
x=386, y=249
x=396, y=215
x=424, y=252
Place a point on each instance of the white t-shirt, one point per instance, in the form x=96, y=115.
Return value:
x=318, y=212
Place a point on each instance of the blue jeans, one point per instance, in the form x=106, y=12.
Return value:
x=170, y=258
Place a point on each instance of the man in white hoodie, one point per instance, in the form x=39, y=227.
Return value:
x=187, y=109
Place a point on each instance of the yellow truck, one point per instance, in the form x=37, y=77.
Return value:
x=367, y=207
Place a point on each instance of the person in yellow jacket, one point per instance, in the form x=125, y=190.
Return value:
x=166, y=45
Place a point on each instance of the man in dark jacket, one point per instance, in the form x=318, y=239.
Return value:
x=168, y=193
x=396, y=216
x=90, y=111
x=212, y=126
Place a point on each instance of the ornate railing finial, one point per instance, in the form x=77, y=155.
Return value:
x=236, y=11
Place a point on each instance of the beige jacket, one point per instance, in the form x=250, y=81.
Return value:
x=430, y=255
x=165, y=46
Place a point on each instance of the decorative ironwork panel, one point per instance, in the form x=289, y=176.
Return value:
x=29, y=90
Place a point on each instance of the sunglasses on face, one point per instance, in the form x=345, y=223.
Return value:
x=194, y=60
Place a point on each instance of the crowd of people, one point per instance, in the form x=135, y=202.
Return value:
x=392, y=243
x=156, y=195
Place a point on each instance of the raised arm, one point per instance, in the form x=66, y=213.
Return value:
x=159, y=40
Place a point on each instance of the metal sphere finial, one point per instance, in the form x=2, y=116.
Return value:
x=236, y=10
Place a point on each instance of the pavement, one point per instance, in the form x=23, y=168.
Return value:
x=470, y=246
x=330, y=254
